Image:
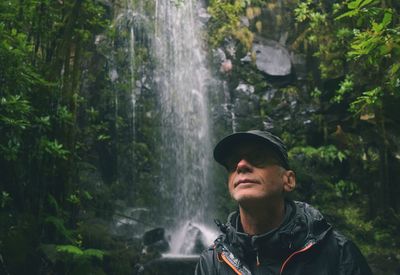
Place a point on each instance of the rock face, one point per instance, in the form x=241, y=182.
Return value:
x=155, y=241
x=272, y=58
x=193, y=241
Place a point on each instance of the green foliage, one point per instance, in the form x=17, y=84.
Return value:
x=225, y=19
x=79, y=196
x=346, y=86
x=58, y=224
x=302, y=11
x=376, y=42
x=64, y=116
x=69, y=249
x=353, y=218
x=366, y=100
x=14, y=120
x=357, y=49
x=76, y=252
x=316, y=93
x=4, y=199
x=53, y=148
x=73, y=259
x=324, y=38
x=346, y=189
x=225, y=22
x=44, y=48
x=327, y=154
x=375, y=45
x=357, y=7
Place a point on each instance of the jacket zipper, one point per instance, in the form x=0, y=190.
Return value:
x=234, y=263
x=307, y=247
x=257, y=260
x=226, y=260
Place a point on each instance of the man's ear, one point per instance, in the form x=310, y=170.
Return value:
x=289, y=181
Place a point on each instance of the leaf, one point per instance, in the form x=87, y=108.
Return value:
x=377, y=27
x=385, y=49
x=393, y=70
x=358, y=4
x=103, y=137
x=95, y=253
x=387, y=18
x=367, y=99
x=59, y=226
x=341, y=156
x=347, y=14
x=74, y=199
x=355, y=8
x=365, y=3
x=70, y=249
x=87, y=195
x=54, y=148
x=353, y=5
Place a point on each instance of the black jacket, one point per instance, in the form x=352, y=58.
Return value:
x=304, y=244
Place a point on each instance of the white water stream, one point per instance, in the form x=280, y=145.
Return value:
x=182, y=76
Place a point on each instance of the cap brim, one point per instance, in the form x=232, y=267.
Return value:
x=223, y=148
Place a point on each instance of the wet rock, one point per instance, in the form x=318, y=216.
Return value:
x=272, y=58
x=130, y=222
x=230, y=48
x=154, y=241
x=203, y=15
x=269, y=94
x=247, y=58
x=245, y=88
x=220, y=55
x=193, y=243
x=244, y=21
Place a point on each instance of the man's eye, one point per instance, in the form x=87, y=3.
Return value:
x=257, y=159
x=230, y=165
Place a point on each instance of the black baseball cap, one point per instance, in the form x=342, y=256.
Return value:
x=224, y=146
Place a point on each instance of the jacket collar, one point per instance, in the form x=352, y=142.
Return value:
x=302, y=224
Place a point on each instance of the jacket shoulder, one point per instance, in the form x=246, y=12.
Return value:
x=206, y=263
x=351, y=260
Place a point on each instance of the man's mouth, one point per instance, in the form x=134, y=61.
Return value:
x=245, y=181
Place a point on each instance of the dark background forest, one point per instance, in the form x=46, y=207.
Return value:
x=69, y=137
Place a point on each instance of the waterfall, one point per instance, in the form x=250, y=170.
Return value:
x=181, y=76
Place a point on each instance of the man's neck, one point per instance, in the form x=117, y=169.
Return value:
x=260, y=220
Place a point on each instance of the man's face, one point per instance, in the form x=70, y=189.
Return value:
x=255, y=174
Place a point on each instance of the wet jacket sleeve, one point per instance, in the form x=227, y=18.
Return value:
x=352, y=262
x=206, y=263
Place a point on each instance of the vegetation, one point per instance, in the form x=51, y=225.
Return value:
x=346, y=156
x=72, y=154
x=55, y=137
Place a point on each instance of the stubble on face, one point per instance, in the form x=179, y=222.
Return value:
x=249, y=183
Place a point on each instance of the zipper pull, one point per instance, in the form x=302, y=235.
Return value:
x=221, y=226
x=257, y=259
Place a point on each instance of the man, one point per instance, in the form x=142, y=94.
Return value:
x=270, y=234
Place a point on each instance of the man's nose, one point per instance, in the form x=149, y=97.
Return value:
x=243, y=166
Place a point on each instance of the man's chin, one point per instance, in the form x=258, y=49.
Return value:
x=243, y=197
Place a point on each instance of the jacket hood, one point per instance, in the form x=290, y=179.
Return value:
x=302, y=225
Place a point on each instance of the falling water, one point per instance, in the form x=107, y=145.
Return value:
x=181, y=77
